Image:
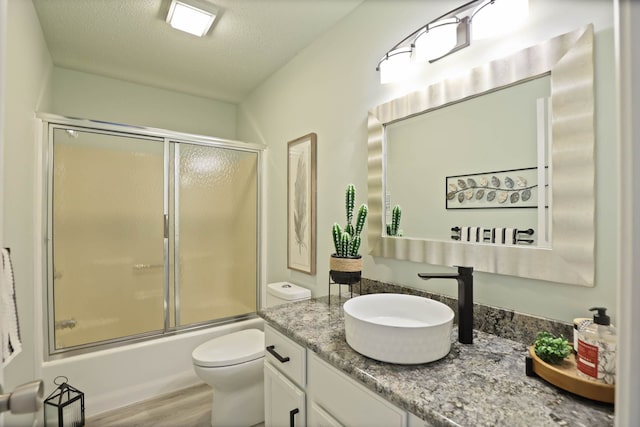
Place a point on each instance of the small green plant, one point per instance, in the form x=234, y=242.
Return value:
x=393, y=229
x=550, y=348
x=347, y=241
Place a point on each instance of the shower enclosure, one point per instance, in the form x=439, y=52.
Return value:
x=149, y=233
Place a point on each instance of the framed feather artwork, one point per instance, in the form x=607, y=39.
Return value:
x=301, y=204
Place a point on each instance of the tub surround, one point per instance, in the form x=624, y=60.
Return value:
x=479, y=384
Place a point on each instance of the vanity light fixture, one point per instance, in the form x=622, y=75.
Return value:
x=441, y=38
x=451, y=32
x=194, y=17
x=394, y=65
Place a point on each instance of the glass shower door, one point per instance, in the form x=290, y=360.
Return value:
x=147, y=235
x=107, y=231
x=215, y=225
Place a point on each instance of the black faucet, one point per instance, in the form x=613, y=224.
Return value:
x=464, y=276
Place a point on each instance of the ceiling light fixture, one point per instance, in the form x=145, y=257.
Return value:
x=451, y=32
x=192, y=19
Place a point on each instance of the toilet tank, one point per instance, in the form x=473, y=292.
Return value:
x=282, y=292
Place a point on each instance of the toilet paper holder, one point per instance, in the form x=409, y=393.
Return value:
x=26, y=398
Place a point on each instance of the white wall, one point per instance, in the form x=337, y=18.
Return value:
x=34, y=84
x=89, y=96
x=628, y=60
x=328, y=89
x=28, y=68
x=3, y=45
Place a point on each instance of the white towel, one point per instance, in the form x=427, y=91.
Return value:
x=509, y=236
x=464, y=234
x=474, y=235
x=497, y=235
x=9, y=328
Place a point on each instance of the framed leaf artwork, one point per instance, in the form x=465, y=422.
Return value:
x=301, y=204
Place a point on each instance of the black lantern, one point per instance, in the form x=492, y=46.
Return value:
x=65, y=406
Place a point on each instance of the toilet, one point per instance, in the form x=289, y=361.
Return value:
x=232, y=365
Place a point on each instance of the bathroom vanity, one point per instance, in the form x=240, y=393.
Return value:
x=326, y=383
x=302, y=389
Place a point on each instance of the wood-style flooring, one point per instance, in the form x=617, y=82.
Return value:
x=190, y=407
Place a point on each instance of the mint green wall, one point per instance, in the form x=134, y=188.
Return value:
x=89, y=96
x=328, y=89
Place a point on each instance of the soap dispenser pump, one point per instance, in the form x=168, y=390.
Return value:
x=601, y=318
x=596, y=358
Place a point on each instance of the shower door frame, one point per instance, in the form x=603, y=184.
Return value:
x=51, y=122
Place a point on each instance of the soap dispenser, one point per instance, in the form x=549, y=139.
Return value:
x=596, y=358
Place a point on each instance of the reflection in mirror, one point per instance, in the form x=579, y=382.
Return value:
x=471, y=142
x=570, y=255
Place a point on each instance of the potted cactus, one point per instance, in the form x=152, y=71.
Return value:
x=346, y=263
x=393, y=229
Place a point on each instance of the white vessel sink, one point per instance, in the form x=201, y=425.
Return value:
x=396, y=328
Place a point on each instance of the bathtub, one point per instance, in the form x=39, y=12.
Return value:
x=121, y=376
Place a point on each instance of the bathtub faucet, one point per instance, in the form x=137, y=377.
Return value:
x=464, y=276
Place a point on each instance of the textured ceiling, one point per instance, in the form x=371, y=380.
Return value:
x=130, y=40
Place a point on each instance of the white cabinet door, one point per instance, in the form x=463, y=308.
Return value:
x=284, y=403
x=318, y=417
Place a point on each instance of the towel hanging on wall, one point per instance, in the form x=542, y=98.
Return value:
x=509, y=236
x=9, y=326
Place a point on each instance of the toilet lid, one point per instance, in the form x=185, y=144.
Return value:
x=288, y=291
x=230, y=349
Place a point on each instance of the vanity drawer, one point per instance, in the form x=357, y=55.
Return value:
x=287, y=356
x=348, y=402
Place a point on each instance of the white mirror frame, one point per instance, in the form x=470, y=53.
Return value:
x=571, y=258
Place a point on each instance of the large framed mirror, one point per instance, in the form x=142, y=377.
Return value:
x=565, y=216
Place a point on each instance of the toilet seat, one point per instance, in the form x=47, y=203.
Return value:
x=231, y=349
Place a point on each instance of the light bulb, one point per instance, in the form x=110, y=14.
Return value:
x=436, y=40
x=497, y=17
x=395, y=65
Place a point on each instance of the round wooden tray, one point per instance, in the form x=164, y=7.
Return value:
x=565, y=376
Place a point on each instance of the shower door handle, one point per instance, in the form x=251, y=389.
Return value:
x=272, y=349
x=166, y=226
x=292, y=415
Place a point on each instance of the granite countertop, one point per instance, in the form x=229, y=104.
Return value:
x=483, y=384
